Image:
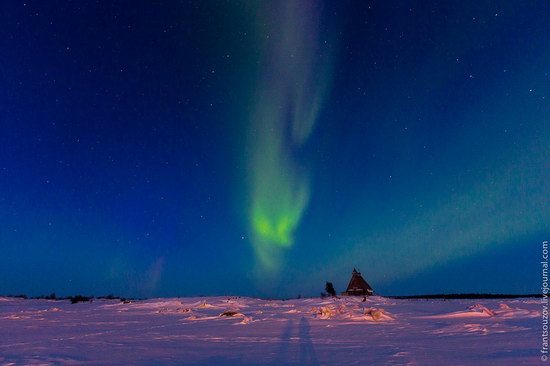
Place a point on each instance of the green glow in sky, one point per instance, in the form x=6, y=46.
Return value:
x=288, y=96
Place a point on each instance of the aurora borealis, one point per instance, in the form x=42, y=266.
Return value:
x=289, y=95
x=152, y=149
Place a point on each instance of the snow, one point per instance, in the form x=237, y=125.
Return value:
x=246, y=331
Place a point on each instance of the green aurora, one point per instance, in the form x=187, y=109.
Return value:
x=289, y=94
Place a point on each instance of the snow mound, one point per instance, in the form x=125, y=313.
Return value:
x=505, y=311
x=343, y=312
x=377, y=315
x=206, y=305
x=325, y=312
x=477, y=329
x=474, y=311
x=481, y=309
x=234, y=314
x=230, y=313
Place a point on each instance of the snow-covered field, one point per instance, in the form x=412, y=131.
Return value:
x=245, y=331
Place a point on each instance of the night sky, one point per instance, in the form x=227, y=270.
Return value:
x=178, y=148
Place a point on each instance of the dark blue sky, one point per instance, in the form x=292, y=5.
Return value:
x=260, y=148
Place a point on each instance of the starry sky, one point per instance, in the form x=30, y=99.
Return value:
x=178, y=148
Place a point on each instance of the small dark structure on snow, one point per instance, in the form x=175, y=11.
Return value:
x=358, y=286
